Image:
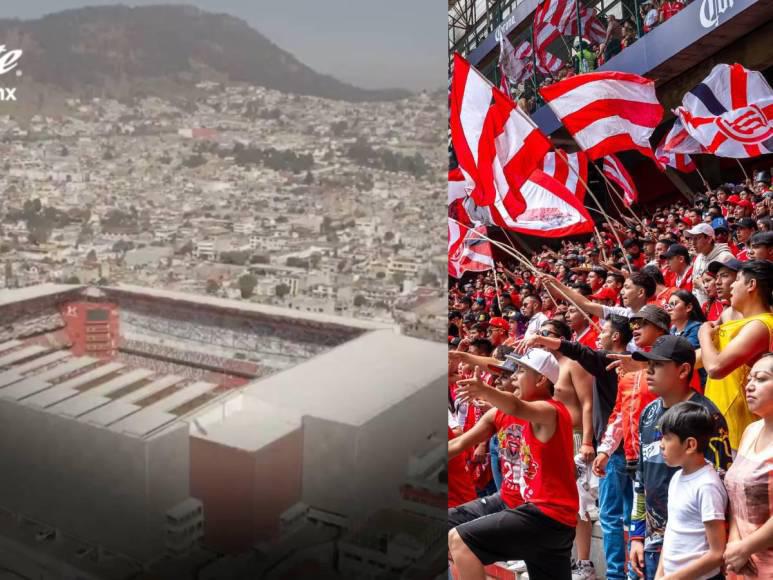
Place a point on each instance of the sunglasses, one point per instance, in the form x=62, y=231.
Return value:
x=548, y=333
x=637, y=324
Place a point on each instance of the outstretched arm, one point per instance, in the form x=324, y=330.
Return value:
x=536, y=412
x=581, y=301
x=482, y=431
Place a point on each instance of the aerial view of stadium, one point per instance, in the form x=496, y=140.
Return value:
x=142, y=424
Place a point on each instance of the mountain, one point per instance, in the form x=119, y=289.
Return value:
x=116, y=49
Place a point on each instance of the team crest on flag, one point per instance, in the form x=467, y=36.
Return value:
x=730, y=113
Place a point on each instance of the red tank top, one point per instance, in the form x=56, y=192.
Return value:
x=460, y=488
x=548, y=470
x=510, y=435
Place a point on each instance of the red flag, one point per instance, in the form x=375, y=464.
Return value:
x=730, y=113
x=679, y=161
x=617, y=174
x=606, y=112
x=467, y=250
x=497, y=145
x=566, y=167
x=551, y=211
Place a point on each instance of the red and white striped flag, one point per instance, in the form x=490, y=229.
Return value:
x=679, y=161
x=731, y=112
x=617, y=174
x=606, y=112
x=550, y=18
x=497, y=145
x=515, y=64
x=551, y=210
x=592, y=27
x=467, y=250
x=457, y=185
x=679, y=140
x=565, y=167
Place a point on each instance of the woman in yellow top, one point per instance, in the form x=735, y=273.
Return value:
x=729, y=350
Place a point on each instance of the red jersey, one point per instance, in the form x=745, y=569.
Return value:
x=669, y=277
x=684, y=282
x=663, y=297
x=460, y=488
x=510, y=436
x=588, y=337
x=669, y=8
x=743, y=255
x=549, y=472
x=713, y=308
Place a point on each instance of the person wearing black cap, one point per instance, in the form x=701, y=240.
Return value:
x=635, y=255
x=729, y=350
x=670, y=365
x=679, y=267
x=762, y=246
x=744, y=228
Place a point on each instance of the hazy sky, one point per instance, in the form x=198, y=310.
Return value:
x=369, y=43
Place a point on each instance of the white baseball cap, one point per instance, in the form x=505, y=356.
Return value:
x=541, y=361
x=703, y=228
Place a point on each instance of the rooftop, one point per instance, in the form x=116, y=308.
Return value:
x=357, y=380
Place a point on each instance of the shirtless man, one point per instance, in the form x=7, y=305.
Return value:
x=574, y=388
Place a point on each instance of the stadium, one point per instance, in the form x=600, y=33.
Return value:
x=141, y=422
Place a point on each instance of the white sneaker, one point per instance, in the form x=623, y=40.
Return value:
x=516, y=565
x=584, y=570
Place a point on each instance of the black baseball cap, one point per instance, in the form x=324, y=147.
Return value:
x=654, y=314
x=732, y=264
x=676, y=250
x=631, y=242
x=746, y=222
x=509, y=366
x=762, y=239
x=669, y=348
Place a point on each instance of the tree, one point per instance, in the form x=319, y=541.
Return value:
x=247, y=284
x=359, y=301
x=72, y=280
x=398, y=278
x=282, y=290
x=91, y=256
x=309, y=179
x=212, y=286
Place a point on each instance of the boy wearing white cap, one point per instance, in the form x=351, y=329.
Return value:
x=541, y=530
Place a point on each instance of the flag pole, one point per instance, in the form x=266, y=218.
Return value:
x=619, y=196
x=745, y=175
x=703, y=179
x=601, y=243
x=598, y=203
x=496, y=288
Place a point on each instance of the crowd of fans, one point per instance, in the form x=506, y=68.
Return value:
x=628, y=382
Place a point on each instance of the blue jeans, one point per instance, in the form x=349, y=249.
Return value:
x=615, y=503
x=651, y=561
x=495, y=470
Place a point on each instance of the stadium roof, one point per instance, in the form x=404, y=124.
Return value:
x=31, y=292
x=256, y=425
x=252, y=307
x=357, y=380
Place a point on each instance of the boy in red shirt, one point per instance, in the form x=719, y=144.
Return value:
x=541, y=530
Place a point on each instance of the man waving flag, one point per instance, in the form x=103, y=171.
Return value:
x=731, y=112
x=607, y=112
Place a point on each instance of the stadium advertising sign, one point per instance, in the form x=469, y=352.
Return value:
x=9, y=60
x=710, y=11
